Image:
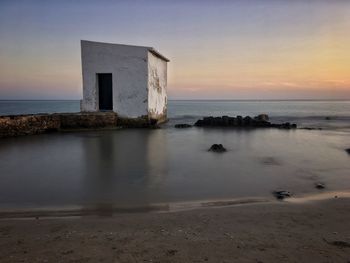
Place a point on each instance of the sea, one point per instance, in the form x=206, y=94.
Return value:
x=135, y=169
x=316, y=114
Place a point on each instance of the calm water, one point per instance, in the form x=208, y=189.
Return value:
x=142, y=167
x=15, y=107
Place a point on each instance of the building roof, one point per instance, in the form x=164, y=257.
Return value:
x=150, y=49
x=157, y=54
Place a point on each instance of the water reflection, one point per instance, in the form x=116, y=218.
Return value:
x=132, y=170
x=123, y=166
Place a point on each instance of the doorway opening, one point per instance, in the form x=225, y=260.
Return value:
x=105, y=94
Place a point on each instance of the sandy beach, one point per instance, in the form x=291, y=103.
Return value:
x=315, y=231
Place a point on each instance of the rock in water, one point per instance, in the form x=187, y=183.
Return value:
x=348, y=150
x=225, y=120
x=182, y=126
x=199, y=123
x=320, y=186
x=239, y=120
x=260, y=121
x=247, y=121
x=282, y=194
x=219, y=148
x=262, y=117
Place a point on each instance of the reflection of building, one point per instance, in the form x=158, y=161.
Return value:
x=129, y=80
x=123, y=169
x=156, y=159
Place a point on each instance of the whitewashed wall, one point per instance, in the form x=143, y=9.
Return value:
x=128, y=65
x=157, y=83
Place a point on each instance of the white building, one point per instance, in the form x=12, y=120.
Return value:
x=129, y=80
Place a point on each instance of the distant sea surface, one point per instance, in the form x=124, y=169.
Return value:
x=320, y=114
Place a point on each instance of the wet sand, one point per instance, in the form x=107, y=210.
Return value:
x=314, y=231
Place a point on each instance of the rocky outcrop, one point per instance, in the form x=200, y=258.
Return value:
x=320, y=185
x=262, y=117
x=18, y=125
x=281, y=194
x=219, y=148
x=140, y=122
x=260, y=121
x=87, y=120
x=28, y=124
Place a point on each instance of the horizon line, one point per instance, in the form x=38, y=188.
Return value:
x=192, y=99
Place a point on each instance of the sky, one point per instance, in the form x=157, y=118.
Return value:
x=271, y=49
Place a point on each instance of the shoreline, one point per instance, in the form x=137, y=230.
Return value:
x=311, y=226
x=265, y=232
x=108, y=210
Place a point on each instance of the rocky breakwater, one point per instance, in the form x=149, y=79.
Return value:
x=17, y=125
x=88, y=120
x=260, y=121
x=28, y=124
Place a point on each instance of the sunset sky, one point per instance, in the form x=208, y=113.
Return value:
x=218, y=49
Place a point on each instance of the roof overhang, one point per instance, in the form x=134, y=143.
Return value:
x=157, y=54
x=150, y=49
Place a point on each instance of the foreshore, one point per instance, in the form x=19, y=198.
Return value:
x=313, y=231
x=30, y=124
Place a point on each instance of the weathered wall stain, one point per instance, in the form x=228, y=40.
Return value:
x=157, y=82
x=154, y=80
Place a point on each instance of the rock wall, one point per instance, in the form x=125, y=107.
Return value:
x=88, y=120
x=18, y=125
x=28, y=124
x=141, y=122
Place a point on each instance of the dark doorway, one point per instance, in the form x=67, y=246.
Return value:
x=105, y=100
